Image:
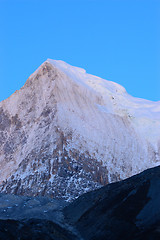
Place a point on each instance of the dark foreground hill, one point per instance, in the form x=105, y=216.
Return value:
x=129, y=209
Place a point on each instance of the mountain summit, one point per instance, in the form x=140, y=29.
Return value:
x=66, y=132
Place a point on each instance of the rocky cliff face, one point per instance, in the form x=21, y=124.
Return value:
x=66, y=132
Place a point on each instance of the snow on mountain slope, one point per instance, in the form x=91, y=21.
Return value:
x=66, y=132
x=113, y=98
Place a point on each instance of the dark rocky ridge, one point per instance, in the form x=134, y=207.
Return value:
x=129, y=209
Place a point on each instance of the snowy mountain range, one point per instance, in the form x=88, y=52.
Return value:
x=66, y=132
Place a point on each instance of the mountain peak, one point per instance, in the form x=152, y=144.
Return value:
x=66, y=132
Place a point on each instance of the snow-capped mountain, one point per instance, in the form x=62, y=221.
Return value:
x=66, y=132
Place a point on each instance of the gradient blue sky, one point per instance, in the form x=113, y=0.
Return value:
x=118, y=40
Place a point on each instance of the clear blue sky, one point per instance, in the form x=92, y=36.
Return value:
x=118, y=40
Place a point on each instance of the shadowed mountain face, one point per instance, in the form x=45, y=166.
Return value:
x=66, y=132
x=125, y=210
x=129, y=209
